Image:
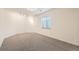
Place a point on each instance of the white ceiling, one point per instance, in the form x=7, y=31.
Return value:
x=37, y=10
x=33, y=11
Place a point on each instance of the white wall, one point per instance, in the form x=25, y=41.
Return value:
x=12, y=23
x=65, y=25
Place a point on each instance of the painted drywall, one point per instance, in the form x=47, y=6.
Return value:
x=12, y=23
x=65, y=24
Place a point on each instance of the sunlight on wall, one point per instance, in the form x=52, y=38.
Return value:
x=31, y=19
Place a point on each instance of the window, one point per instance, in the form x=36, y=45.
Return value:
x=46, y=22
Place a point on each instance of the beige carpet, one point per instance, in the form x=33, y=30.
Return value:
x=35, y=42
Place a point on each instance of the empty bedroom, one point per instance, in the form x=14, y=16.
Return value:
x=39, y=29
